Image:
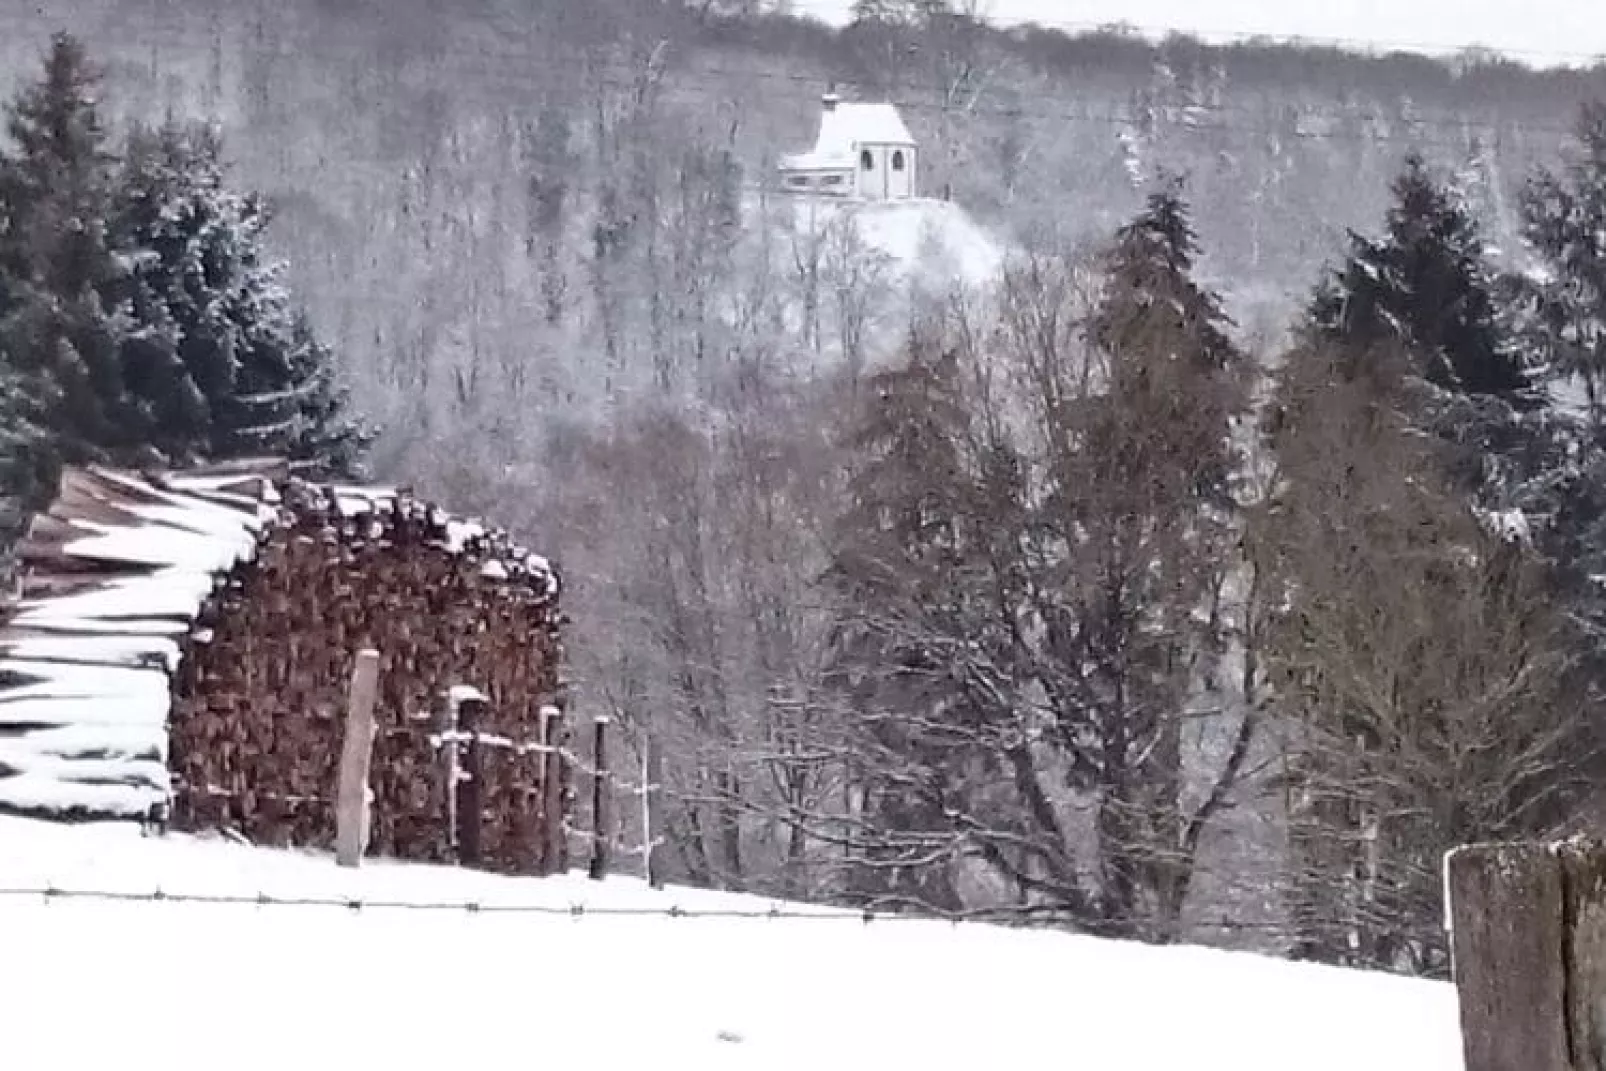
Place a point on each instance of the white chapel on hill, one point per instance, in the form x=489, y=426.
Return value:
x=864, y=151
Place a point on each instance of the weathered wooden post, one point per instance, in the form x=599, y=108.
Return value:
x=565, y=797
x=351, y=793
x=445, y=723
x=548, y=826
x=1528, y=938
x=552, y=778
x=471, y=784
x=599, y=798
x=652, y=772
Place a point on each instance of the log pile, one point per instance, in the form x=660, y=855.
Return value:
x=455, y=610
x=113, y=574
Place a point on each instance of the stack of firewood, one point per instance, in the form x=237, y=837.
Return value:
x=259, y=714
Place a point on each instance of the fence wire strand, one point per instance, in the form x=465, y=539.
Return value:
x=578, y=910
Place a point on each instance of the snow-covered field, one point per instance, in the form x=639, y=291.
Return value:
x=88, y=983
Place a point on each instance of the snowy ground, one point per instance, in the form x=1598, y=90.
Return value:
x=934, y=242
x=176, y=985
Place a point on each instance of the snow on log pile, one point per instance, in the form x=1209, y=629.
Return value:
x=114, y=573
x=183, y=643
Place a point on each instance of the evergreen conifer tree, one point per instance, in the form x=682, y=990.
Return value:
x=24, y=455
x=1424, y=287
x=251, y=376
x=191, y=244
x=1169, y=354
x=1562, y=314
x=140, y=317
x=327, y=435
x=899, y=564
x=1559, y=315
x=63, y=317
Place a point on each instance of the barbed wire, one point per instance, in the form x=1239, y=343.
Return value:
x=51, y=893
x=1044, y=919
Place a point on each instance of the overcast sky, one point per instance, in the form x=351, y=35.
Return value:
x=1539, y=32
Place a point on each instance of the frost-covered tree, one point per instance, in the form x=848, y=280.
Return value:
x=325, y=431
x=1426, y=682
x=229, y=364
x=906, y=558
x=24, y=458
x=1557, y=309
x=1142, y=470
x=63, y=317
x=1424, y=286
x=140, y=319
x=1429, y=684
x=1029, y=583
x=1563, y=317
x=183, y=233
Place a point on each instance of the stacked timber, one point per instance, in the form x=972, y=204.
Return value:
x=114, y=573
x=183, y=644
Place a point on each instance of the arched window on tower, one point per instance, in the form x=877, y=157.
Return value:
x=897, y=160
x=867, y=160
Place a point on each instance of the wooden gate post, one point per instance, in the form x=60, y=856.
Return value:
x=1528, y=937
x=471, y=784
x=356, y=753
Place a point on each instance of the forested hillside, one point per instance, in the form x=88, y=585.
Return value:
x=1204, y=576
x=402, y=126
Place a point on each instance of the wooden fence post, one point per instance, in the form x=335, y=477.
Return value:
x=549, y=805
x=1528, y=939
x=652, y=773
x=565, y=797
x=446, y=727
x=471, y=784
x=599, y=798
x=351, y=793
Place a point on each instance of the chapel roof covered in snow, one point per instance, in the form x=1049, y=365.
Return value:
x=115, y=577
x=844, y=127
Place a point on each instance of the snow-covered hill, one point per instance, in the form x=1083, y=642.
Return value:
x=931, y=242
x=179, y=983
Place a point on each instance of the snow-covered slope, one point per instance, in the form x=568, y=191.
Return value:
x=934, y=243
x=178, y=983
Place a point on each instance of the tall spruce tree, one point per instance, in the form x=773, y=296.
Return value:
x=1165, y=337
x=1562, y=317
x=1141, y=491
x=1424, y=286
x=899, y=564
x=250, y=375
x=1418, y=649
x=1025, y=587
x=1559, y=314
x=63, y=316
x=180, y=360
x=140, y=316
